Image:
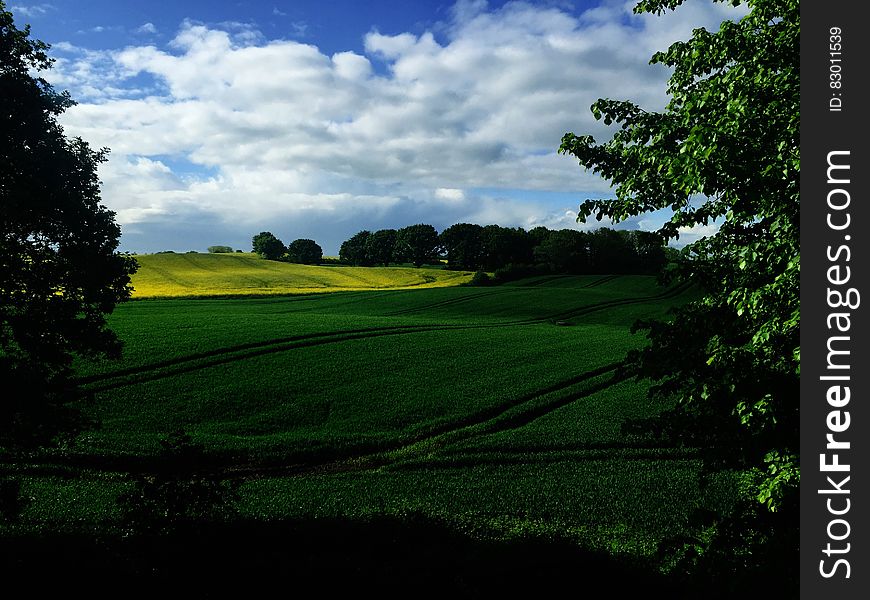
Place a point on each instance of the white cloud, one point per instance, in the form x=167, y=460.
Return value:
x=696, y=232
x=146, y=28
x=37, y=10
x=276, y=128
x=449, y=194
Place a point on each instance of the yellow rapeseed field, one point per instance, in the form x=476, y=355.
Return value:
x=181, y=275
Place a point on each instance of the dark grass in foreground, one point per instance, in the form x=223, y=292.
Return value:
x=411, y=557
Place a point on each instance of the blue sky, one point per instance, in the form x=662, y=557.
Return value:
x=318, y=119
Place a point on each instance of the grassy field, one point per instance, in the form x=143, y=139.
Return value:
x=492, y=410
x=242, y=274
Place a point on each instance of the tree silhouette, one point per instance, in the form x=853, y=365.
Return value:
x=304, y=251
x=60, y=272
x=418, y=244
x=268, y=246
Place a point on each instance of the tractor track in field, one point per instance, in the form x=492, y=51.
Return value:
x=551, y=278
x=676, y=290
x=363, y=458
x=225, y=356
x=232, y=350
x=448, y=302
x=602, y=281
x=541, y=281
x=186, y=364
x=400, y=454
x=438, y=437
x=510, y=415
x=584, y=310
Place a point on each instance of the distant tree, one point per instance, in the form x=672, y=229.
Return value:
x=268, y=246
x=306, y=252
x=538, y=234
x=354, y=251
x=60, y=272
x=417, y=244
x=610, y=251
x=219, y=249
x=381, y=247
x=564, y=251
x=650, y=250
x=505, y=245
x=463, y=245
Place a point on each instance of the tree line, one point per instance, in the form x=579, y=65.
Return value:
x=492, y=248
x=302, y=251
x=507, y=251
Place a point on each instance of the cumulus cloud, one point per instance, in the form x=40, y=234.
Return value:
x=449, y=194
x=146, y=29
x=37, y=10
x=695, y=233
x=276, y=130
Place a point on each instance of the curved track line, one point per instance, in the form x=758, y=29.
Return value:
x=254, y=349
x=602, y=281
x=361, y=458
x=541, y=281
x=235, y=349
x=584, y=310
x=447, y=302
x=153, y=374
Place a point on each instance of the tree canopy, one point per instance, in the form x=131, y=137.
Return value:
x=268, y=246
x=464, y=246
x=354, y=251
x=725, y=150
x=60, y=271
x=304, y=251
x=417, y=244
x=380, y=247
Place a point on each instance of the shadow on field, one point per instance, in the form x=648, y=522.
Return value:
x=390, y=557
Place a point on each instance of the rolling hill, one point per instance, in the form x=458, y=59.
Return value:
x=194, y=274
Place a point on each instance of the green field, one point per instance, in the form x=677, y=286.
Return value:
x=241, y=274
x=492, y=410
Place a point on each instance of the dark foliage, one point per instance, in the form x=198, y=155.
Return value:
x=380, y=247
x=12, y=502
x=471, y=247
x=732, y=359
x=408, y=557
x=306, y=252
x=355, y=250
x=514, y=272
x=565, y=251
x=60, y=272
x=268, y=246
x=480, y=279
x=464, y=246
x=181, y=491
x=417, y=244
x=503, y=246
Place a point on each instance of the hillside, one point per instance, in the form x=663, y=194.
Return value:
x=184, y=275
